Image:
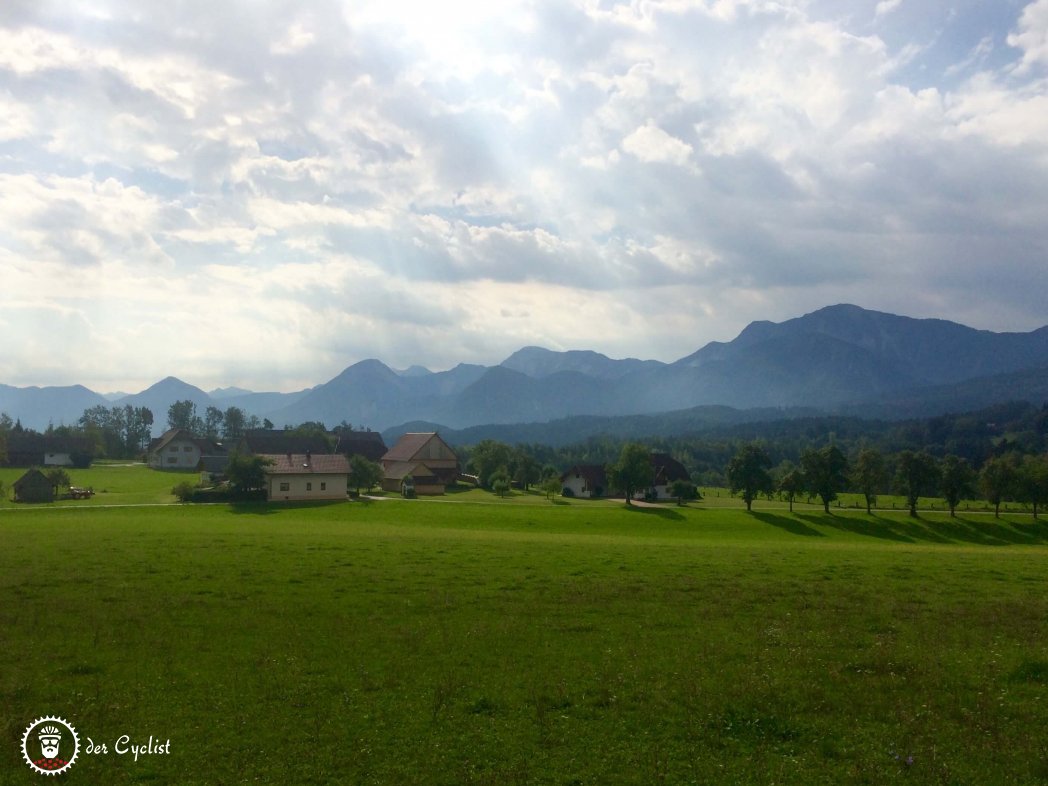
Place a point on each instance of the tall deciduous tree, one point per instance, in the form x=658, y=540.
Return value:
x=870, y=475
x=748, y=473
x=182, y=414
x=233, y=423
x=997, y=481
x=213, y=419
x=247, y=473
x=488, y=457
x=957, y=481
x=363, y=474
x=1032, y=481
x=825, y=473
x=633, y=471
x=791, y=484
x=916, y=474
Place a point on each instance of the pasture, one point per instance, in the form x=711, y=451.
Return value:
x=473, y=640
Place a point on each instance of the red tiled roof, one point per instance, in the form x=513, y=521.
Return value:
x=304, y=464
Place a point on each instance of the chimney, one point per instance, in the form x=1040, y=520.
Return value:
x=309, y=457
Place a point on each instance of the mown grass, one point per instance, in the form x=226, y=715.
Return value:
x=114, y=484
x=504, y=642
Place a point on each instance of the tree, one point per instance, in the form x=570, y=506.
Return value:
x=527, y=470
x=213, y=419
x=791, y=484
x=500, y=484
x=683, y=490
x=233, y=424
x=957, y=481
x=748, y=472
x=825, y=473
x=998, y=480
x=138, y=422
x=869, y=475
x=247, y=473
x=363, y=474
x=551, y=487
x=59, y=478
x=1032, y=481
x=916, y=474
x=486, y=458
x=633, y=470
x=182, y=414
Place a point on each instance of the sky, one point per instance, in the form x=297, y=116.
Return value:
x=261, y=193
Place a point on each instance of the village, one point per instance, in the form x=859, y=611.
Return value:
x=297, y=466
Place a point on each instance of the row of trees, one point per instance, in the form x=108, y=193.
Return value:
x=826, y=472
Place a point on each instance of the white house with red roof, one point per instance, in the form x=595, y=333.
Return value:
x=305, y=476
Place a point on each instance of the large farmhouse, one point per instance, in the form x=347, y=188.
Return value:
x=304, y=476
x=584, y=480
x=425, y=458
x=179, y=449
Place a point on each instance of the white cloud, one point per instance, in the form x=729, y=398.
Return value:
x=651, y=144
x=435, y=183
x=1032, y=35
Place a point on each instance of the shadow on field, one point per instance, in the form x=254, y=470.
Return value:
x=662, y=513
x=982, y=531
x=791, y=525
x=269, y=508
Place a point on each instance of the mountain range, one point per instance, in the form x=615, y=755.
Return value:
x=842, y=359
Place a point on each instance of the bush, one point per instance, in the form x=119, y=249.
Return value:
x=184, y=491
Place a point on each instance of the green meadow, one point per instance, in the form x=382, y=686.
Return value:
x=475, y=640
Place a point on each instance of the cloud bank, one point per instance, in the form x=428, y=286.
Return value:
x=261, y=193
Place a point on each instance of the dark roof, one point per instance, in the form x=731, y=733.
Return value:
x=32, y=477
x=274, y=441
x=594, y=475
x=409, y=445
x=30, y=442
x=667, y=469
x=368, y=444
x=306, y=464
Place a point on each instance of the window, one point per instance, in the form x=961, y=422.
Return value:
x=188, y=448
x=323, y=486
x=285, y=486
x=309, y=486
x=173, y=449
x=172, y=459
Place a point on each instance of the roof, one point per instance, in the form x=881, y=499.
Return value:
x=399, y=470
x=368, y=444
x=274, y=441
x=31, y=477
x=594, y=475
x=206, y=446
x=306, y=464
x=410, y=444
x=667, y=469
x=31, y=442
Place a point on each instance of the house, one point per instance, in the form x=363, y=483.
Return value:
x=34, y=486
x=304, y=476
x=428, y=459
x=667, y=469
x=584, y=480
x=180, y=449
x=368, y=444
x=29, y=449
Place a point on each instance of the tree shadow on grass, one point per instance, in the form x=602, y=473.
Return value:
x=269, y=508
x=662, y=513
x=976, y=530
x=791, y=525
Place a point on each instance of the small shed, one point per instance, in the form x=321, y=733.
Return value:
x=34, y=486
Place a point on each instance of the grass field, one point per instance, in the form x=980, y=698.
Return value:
x=472, y=640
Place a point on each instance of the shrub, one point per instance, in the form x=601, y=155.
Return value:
x=184, y=491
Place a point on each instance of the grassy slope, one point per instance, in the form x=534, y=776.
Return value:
x=458, y=642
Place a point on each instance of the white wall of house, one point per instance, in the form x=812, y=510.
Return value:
x=58, y=460
x=577, y=484
x=302, y=486
x=177, y=454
